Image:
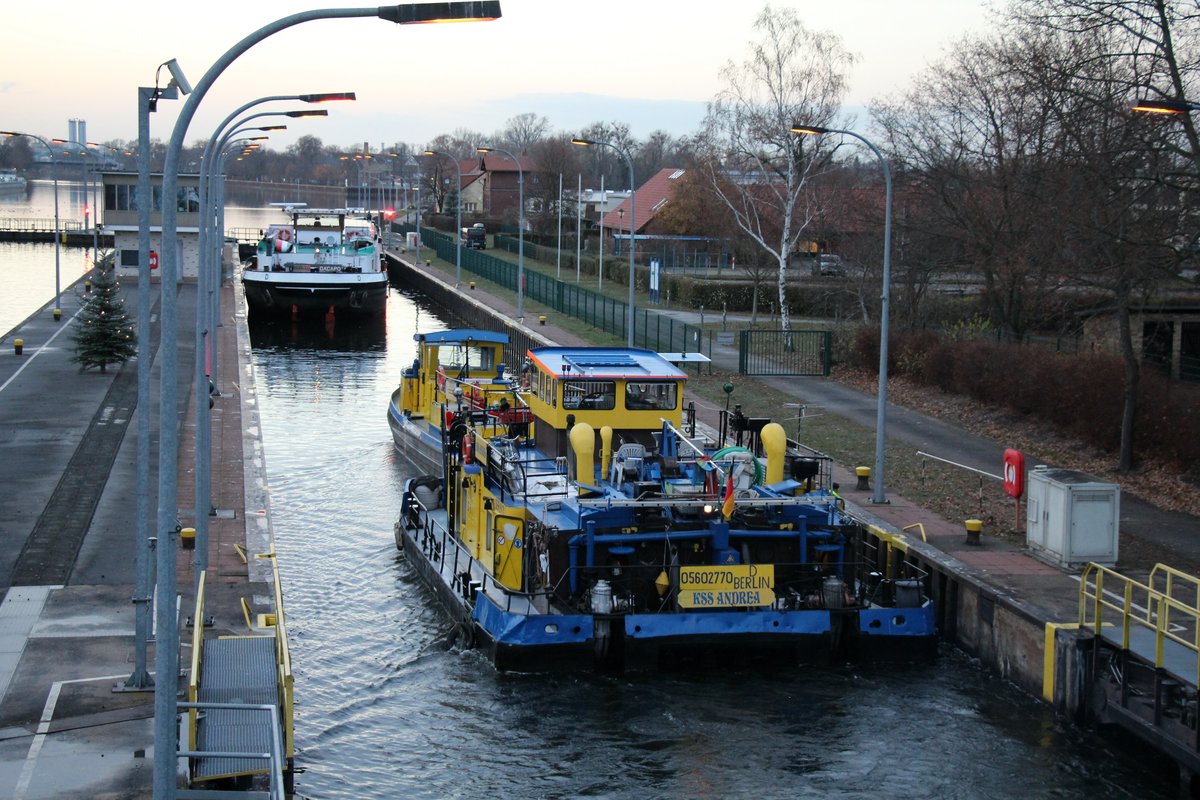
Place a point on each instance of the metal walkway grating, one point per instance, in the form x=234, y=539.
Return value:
x=236, y=670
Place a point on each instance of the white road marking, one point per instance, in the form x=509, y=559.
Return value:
x=39, y=739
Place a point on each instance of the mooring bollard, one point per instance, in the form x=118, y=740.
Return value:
x=542, y=319
x=187, y=538
x=57, y=314
x=864, y=479
x=18, y=346
x=973, y=526
x=87, y=287
x=472, y=285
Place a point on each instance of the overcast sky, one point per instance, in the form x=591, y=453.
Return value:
x=650, y=63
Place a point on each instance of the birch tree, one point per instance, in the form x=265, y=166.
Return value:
x=758, y=168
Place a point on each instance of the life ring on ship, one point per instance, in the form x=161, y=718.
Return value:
x=284, y=234
x=468, y=448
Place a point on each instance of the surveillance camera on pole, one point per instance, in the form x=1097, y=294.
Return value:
x=178, y=78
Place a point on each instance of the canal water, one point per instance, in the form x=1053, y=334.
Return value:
x=388, y=706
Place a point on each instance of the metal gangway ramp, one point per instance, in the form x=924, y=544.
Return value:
x=239, y=709
x=1145, y=662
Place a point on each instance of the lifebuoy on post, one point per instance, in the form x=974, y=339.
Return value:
x=468, y=448
x=284, y=234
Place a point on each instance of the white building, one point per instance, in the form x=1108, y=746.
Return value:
x=120, y=218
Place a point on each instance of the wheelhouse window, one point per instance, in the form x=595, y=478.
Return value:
x=472, y=359
x=591, y=395
x=651, y=396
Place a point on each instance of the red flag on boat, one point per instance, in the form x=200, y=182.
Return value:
x=727, y=506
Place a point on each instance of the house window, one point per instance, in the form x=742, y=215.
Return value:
x=472, y=207
x=187, y=200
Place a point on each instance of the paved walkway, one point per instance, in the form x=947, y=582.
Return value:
x=68, y=482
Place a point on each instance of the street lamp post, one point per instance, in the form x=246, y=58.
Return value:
x=139, y=679
x=879, y=495
x=632, y=222
x=208, y=290
x=167, y=655
x=520, y=228
x=1175, y=107
x=57, y=227
x=457, y=216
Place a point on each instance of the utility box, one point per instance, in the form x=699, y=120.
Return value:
x=1071, y=518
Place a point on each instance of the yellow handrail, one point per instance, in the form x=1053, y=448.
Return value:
x=283, y=662
x=197, y=650
x=890, y=540
x=1154, y=606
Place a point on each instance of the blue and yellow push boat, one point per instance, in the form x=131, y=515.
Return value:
x=601, y=529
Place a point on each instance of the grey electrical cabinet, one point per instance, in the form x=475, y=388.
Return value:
x=1071, y=518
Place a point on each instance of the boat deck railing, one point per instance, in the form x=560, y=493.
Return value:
x=827, y=553
x=1158, y=620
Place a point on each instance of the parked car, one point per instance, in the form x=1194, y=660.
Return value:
x=475, y=237
x=830, y=265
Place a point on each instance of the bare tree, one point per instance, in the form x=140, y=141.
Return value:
x=464, y=142
x=1125, y=171
x=976, y=135
x=604, y=161
x=524, y=130
x=1157, y=41
x=1024, y=160
x=758, y=168
x=554, y=156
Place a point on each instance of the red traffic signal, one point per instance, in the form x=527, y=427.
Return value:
x=390, y=213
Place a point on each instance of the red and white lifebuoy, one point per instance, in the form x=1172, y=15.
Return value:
x=468, y=448
x=284, y=234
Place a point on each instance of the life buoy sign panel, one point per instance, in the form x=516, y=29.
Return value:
x=1014, y=473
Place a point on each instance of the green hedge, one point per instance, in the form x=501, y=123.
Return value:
x=1081, y=395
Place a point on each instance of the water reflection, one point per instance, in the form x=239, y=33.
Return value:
x=345, y=335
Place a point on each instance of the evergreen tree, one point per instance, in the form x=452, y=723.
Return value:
x=105, y=333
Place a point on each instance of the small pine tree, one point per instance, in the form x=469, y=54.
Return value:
x=104, y=334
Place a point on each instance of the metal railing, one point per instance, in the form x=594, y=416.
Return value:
x=652, y=330
x=274, y=757
x=1165, y=607
x=782, y=352
x=282, y=711
x=193, y=687
x=39, y=225
x=283, y=663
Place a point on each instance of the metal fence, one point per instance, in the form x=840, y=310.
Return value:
x=779, y=352
x=652, y=330
x=39, y=224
